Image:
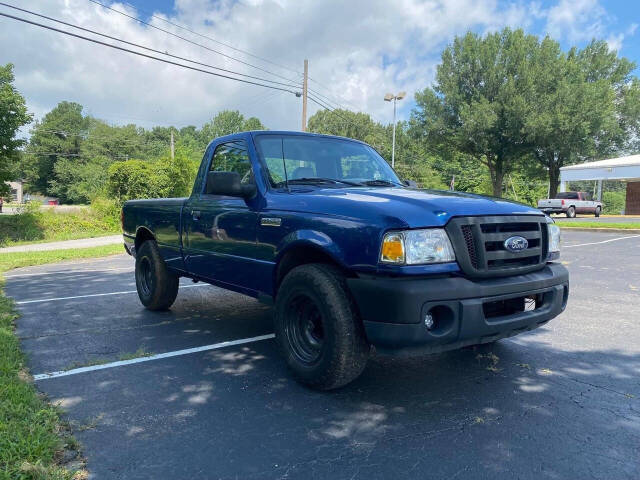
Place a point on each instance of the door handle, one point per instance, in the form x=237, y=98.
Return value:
x=195, y=214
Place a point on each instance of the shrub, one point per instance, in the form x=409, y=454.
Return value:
x=613, y=202
x=108, y=210
x=160, y=179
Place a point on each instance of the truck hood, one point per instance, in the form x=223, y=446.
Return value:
x=401, y=206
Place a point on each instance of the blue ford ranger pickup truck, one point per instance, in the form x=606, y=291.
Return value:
x=350, y=255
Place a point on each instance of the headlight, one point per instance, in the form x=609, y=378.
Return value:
x=415, y=247
x=554, y=240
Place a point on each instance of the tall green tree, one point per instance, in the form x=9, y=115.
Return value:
x=585, y=105
x=478, y=103
x=13, y=115
x=58, y=135
x=227, y=122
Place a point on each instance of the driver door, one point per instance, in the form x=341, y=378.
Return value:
x=221, y=230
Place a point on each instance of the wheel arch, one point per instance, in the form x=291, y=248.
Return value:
x=142, y=235
x=303, y=252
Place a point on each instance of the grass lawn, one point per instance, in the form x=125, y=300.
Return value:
x=32, y=437
x=602, y=225
x=24, y=259
x=50, y=226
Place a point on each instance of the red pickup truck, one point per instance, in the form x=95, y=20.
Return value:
x=571, y=203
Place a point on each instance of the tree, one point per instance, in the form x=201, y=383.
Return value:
x=227, y=122
x=346, y=123
x=13, y=115
x=585, y=104
x=79, y=180
x=478, y=104
x=117, y=142
x=58, y=135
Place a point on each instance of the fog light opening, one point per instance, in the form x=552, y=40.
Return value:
x=439, y=320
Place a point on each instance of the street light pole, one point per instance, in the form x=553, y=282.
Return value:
x=393, y=141
x=387, y=98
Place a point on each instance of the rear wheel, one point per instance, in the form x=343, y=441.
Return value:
x=157, y=286
x=318, y=329
x=571, y=212
x=598, y=210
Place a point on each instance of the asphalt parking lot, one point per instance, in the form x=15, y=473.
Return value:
x=559, y=402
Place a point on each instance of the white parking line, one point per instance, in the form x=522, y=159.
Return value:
x=603, y=241
x=177, y=353
x=64, y=272
x=41, y=300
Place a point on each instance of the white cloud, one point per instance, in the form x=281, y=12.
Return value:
x=615, y=40
x=358, y=49
x=576, y=20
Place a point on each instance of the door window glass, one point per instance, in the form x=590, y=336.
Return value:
x=233, y=157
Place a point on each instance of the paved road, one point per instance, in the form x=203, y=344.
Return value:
x=80, y=243
x=560, y=402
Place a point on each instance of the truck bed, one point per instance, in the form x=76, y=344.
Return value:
x=162, y=216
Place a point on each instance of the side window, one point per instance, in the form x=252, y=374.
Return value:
x=233, y=157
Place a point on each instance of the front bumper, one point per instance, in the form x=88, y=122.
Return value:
x=466, y=312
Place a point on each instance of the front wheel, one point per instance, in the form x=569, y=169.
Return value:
x=318, y=329
x=571, y=212
x=157, y=286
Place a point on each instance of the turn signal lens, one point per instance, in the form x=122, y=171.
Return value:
x=392, y=248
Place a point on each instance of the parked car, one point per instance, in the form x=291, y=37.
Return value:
x=349, y=255
x=571, y=203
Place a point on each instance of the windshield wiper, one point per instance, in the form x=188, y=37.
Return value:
x=319, y=180
x=380, y=183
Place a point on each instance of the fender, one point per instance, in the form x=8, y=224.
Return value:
x=311, y=238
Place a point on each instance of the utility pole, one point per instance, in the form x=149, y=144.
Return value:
x=172, y=148
x=304, y=95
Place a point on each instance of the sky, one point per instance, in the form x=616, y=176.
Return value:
x=358, y=50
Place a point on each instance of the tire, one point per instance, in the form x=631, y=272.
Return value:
x=157, y=287
x=571, y=212
x=598, y=210
x=318, y=329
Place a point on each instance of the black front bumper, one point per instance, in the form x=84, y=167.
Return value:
x=394, y=309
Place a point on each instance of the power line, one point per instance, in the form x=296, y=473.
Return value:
x=338, y=104
x=329, y=90
x=144, y=54
x=315, y=100
x=144, y=47
x=189, y=41
x=75, y=155
x=182, y=27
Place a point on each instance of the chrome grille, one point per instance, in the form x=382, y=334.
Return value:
x=479, y=244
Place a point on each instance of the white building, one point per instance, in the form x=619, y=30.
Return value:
x=16, y=191
x=622, y=168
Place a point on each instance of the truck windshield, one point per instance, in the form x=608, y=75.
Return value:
x=323, y=160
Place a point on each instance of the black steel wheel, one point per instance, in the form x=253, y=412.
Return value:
x=304, y=329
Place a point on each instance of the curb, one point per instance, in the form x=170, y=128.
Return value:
x=600, y=229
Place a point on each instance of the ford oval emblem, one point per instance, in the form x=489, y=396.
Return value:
x=516, y=244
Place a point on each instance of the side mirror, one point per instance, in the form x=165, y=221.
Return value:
x=229, y=184
x=410, y=183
